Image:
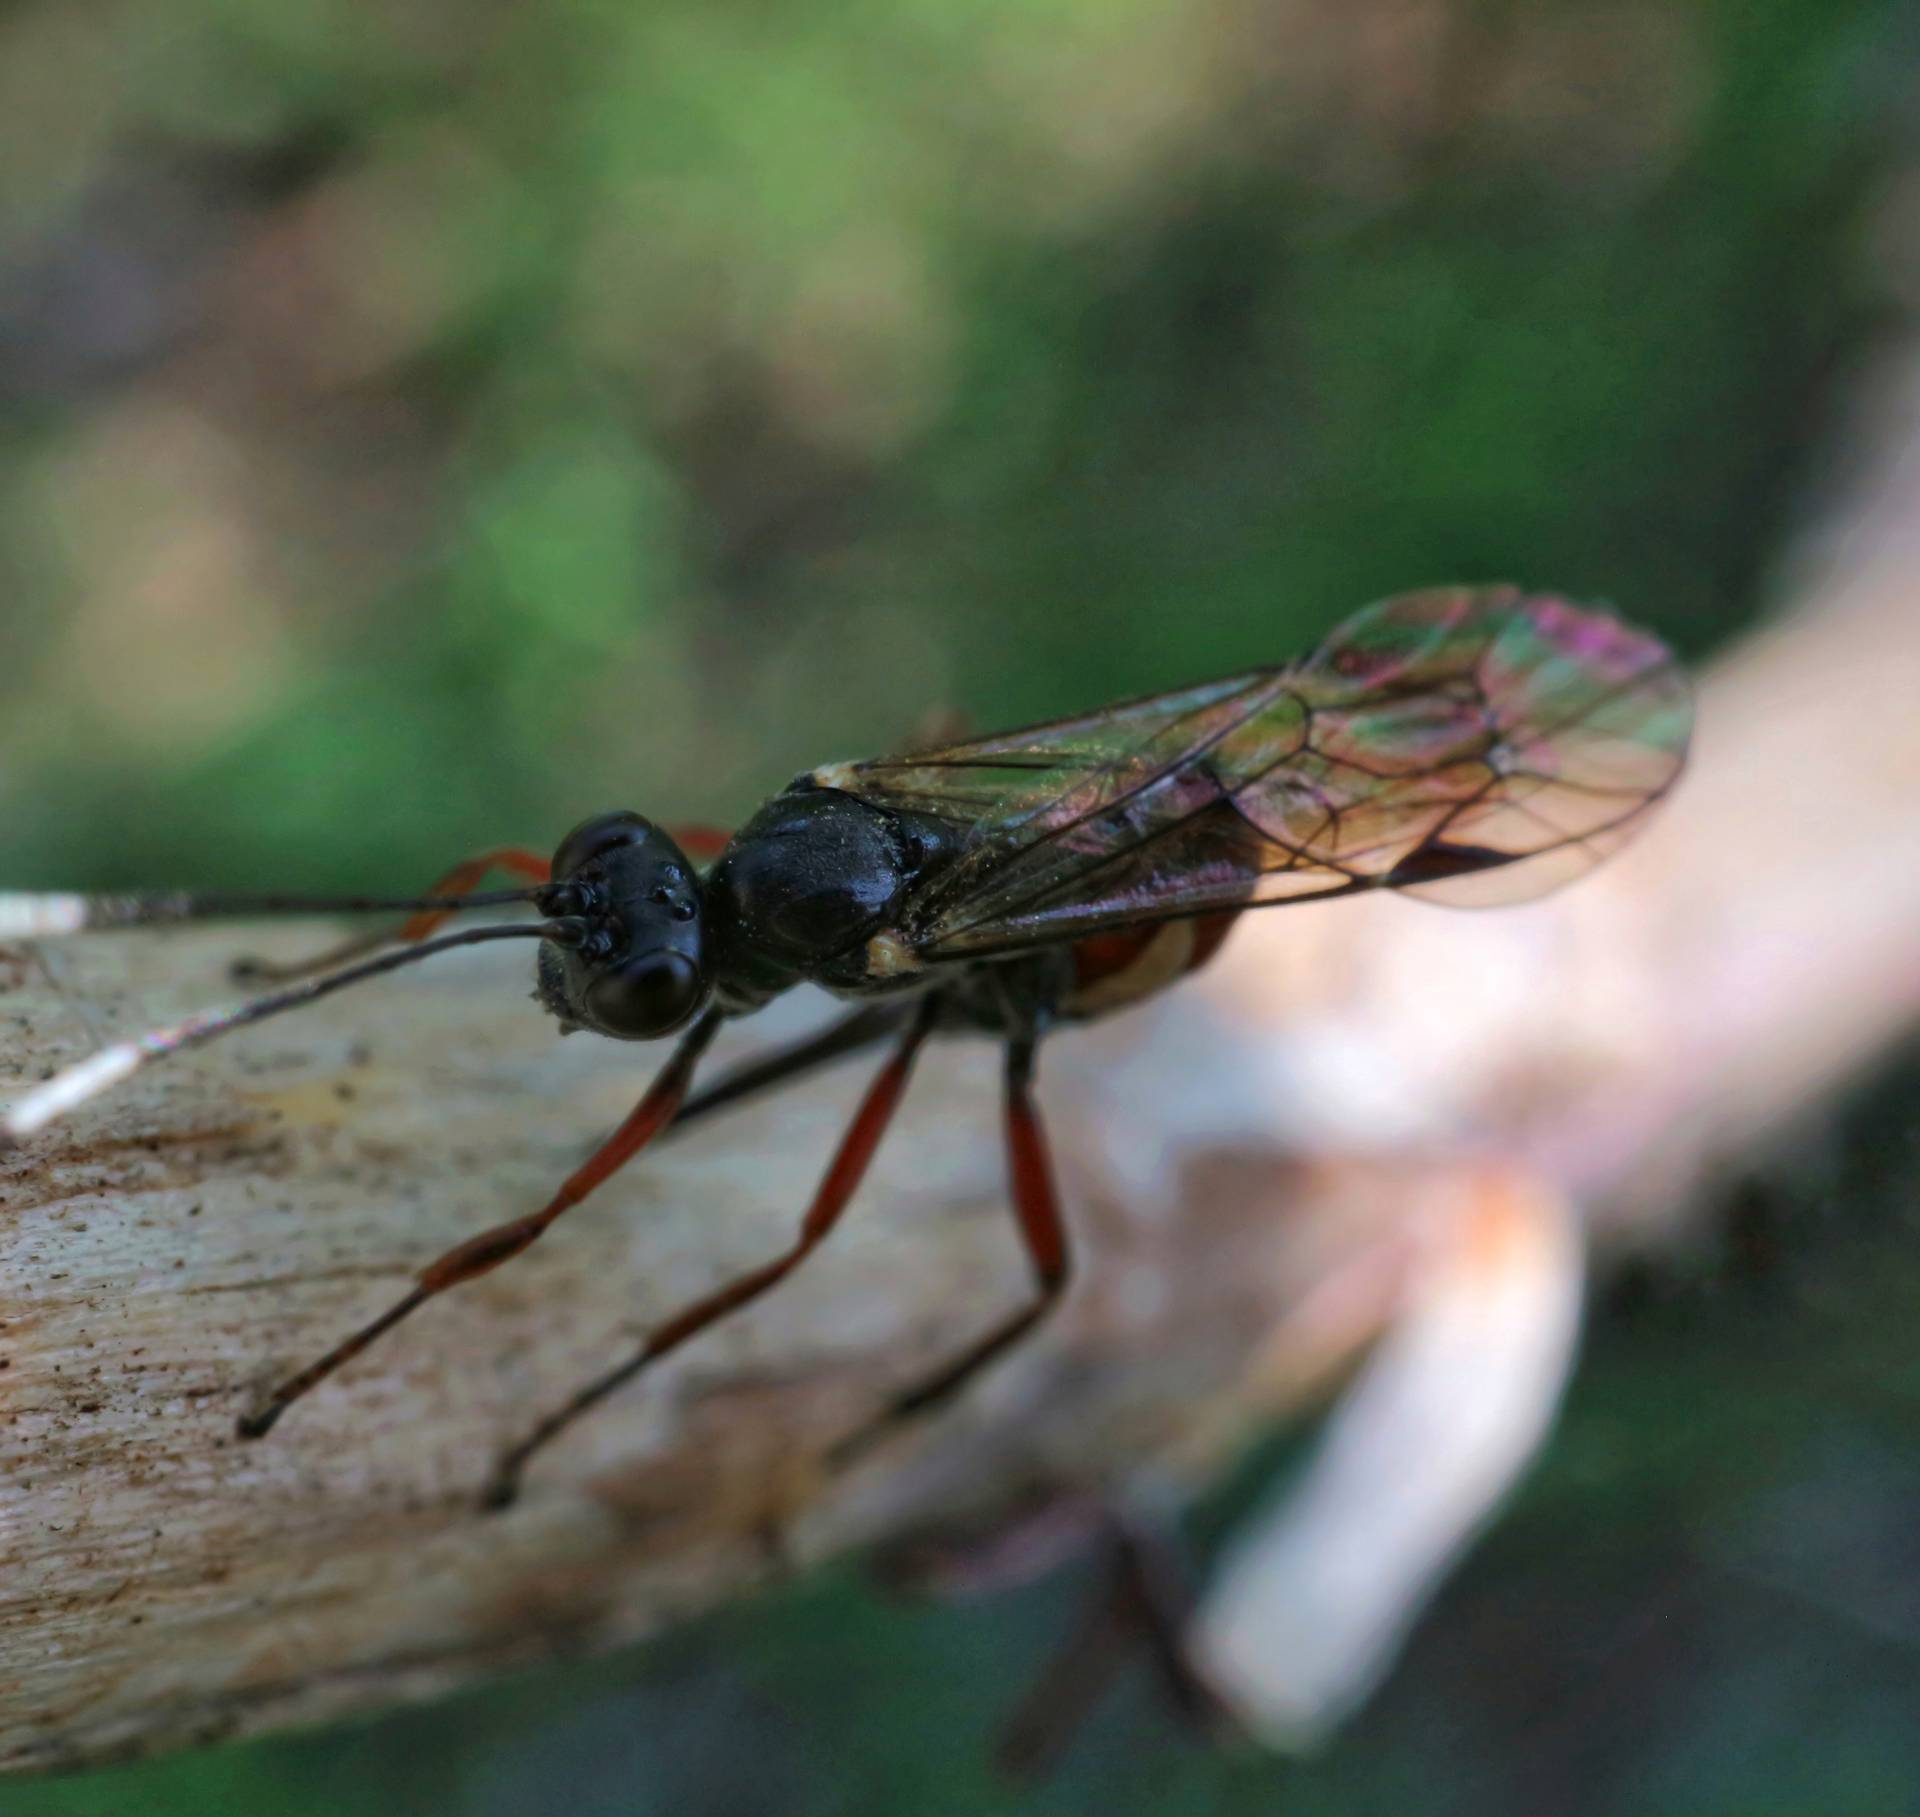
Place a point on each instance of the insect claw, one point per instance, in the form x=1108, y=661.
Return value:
x=261, y=1421
x=501, y=1492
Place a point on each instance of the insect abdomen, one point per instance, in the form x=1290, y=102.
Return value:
x=1112, y=970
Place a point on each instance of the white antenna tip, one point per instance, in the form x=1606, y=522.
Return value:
x=68, y=1090
x=37, y=917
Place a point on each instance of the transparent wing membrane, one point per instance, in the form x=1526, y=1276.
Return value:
x=1469, y=746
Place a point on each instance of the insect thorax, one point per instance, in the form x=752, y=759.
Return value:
x=812, y=889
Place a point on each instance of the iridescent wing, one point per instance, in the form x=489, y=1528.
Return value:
x=1472, y=746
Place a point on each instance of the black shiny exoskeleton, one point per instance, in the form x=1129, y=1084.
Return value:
x=798, y=896
x=804, y=886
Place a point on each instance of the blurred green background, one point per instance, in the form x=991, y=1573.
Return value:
x=423, y=426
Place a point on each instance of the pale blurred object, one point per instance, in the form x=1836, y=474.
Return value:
x=1450, y=1406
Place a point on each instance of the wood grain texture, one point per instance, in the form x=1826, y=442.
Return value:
x=182, y=1244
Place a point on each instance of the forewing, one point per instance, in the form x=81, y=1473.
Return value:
x=1472, y=746
x=1477, y=746
x=1013, y=785
x=1044, y=803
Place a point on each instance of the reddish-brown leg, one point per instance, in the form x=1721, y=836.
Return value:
x=864, y=1027
x=465, y=878
x=702, y=844
x=481, y=1254
x=1142, y=1600
x=849, y=1165
x=462, y=880
x=1036, y=1206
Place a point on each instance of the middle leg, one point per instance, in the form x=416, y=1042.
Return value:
x=1036, y=1207
x=862, y=1027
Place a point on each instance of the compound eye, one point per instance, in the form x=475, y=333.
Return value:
x=645, y=998
x=594, y=838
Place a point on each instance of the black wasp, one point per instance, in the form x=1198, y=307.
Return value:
x=1470, y=745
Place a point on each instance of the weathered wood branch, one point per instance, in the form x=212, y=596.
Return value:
x=1250, y=1167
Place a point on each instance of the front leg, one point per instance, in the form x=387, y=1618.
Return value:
x=482, y=1254
x=463, y=880
x=843, y=1176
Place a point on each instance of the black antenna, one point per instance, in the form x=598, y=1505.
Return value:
x=87, y=1078
x=39, y=916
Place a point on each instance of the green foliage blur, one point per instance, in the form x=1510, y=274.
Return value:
x=426, y=426
x=423, y=426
